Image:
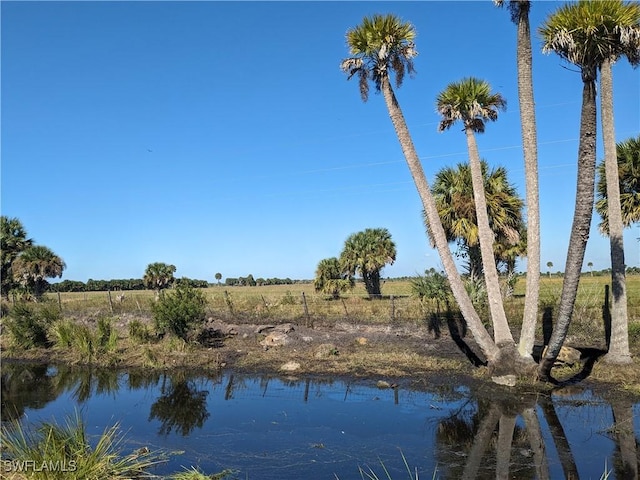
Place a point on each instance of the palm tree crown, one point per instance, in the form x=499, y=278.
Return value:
x=158, y=276
x=366, y=253
x=453, y=192
x=591, y=31
x=330, y=279
x=379, y=44
x=470, y=101
x=629, y=175
x=13, y=240
x=517, y=8
x=34, y=265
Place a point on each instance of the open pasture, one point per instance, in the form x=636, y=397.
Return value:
x=299, y=303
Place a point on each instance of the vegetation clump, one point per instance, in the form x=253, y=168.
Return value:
x=28, y=325
x=64, y=451
x=178, y=311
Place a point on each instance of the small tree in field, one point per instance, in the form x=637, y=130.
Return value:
x=179, y=310
x=158, y=276
x=366, y=253
x=218, y=277
x=330, y=280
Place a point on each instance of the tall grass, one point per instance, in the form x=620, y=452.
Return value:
x=52, y=451
x=84, y=342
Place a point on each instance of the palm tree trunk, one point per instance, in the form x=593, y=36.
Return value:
x=480, y=334
x=580, y=228
x=501, y=331
x=619, y=341
x=530, y=150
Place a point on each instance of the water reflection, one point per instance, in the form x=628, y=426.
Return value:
x=269, y=427
x=182, y=406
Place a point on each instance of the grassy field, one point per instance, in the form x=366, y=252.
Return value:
x=299, y=303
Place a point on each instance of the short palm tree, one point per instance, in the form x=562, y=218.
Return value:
x=366, y=253
x=383, y=46
x=33, y=266
x=453, y=192
x=158, y=276
x=13, y=240
x=580, y=33
x=519, y=10
x=330, y=280
x=471, y=102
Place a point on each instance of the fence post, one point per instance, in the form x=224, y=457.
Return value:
x=227, y=299
x=59, y=302
x=110, y=302
x=306, y=309
x=393, y=309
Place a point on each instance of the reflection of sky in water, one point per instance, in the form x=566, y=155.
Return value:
x=265, y=429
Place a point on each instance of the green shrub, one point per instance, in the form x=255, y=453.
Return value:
x=179, y=310
x=106, y=335
x=28, y=324
x=139, y=332
x=83, y=340
x=289, y=299
x=63, y=333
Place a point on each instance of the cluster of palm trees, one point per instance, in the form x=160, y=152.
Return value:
x=365, y=253
x=25, y=265
x=589, y=34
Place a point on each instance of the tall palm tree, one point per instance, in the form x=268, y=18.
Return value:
x=471, y=102
x=366, y=253
x=453, y=192
x=13, y=240
x=621, y=37
x=628, y=158
x=33, y=266
x=577, y=33
x=330, y=279
x=519, y=10
x=158, y=276
x=380, y=46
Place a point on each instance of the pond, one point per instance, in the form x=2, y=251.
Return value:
x=268, y=427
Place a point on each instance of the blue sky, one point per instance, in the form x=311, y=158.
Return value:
x=223, y=137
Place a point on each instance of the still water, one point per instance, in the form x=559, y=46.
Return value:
x=317, y=428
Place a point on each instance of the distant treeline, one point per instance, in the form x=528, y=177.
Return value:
x=249, y=281
x=138, y=284
x=112, y=285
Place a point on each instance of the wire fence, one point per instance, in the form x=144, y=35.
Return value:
x=308, y=308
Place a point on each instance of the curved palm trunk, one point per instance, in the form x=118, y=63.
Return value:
x=581, y=225
x=530, y=149
x=501, y=332
x=480, y=334
x=619, y=341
